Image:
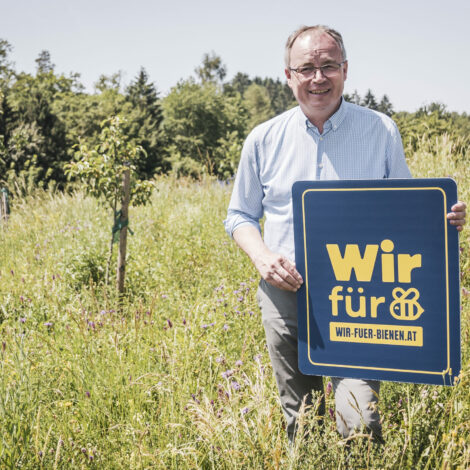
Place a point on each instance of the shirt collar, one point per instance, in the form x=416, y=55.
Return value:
x=332, y=123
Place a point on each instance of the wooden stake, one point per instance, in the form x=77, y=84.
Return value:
x=121, y=267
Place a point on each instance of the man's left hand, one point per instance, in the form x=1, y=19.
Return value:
x=457, y=216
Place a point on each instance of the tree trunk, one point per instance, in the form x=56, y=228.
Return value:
x=121, y=267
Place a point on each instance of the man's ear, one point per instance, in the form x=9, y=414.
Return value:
x=288, y=76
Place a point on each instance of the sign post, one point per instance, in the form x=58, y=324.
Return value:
x=380, y=263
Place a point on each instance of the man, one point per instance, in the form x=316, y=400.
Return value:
x=323, y=138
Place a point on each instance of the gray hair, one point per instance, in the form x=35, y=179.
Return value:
x=317, y=28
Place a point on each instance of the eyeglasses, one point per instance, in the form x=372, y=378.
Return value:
x=309, y=71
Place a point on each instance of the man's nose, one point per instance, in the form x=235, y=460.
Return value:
x=318, y=75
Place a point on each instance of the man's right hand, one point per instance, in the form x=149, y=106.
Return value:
x=278, y=271
x=273, y=267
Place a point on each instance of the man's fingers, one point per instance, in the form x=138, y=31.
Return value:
x=457, y=216
x=281, y=273
x=290, y=268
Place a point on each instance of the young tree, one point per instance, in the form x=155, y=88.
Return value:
x=109, y=172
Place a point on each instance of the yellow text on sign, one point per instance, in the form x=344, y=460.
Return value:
x=376, y=334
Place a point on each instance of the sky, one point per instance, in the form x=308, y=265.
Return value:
x=415, y=51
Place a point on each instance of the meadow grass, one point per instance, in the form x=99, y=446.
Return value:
x=176, y=374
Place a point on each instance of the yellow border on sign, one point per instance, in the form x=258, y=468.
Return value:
x=444, y=372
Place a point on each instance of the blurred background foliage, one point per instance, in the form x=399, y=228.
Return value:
x=197, y=129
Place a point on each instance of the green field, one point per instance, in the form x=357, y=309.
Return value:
x=177, y=376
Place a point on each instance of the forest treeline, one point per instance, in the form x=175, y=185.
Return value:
x=197, y=128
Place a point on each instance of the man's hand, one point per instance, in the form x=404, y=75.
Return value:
x=274, y=268
x=278, y=271
x=457, y=216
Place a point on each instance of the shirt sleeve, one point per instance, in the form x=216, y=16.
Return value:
x=246, y=203
x=396, y=163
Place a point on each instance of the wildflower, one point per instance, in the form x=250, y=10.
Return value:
x=170, y=324
x=332, y=413
x=329, y=386
x=465, y=292
x=194, y=398
x=257, y=358
x=239, y=363
x=84, y=450
x=245, y=410
x=184, y=321
x=219, y=359
x=87, y=393
x=22, y=320
x=164, y=296
x=226, y=327
x=48, y=324
x=226, y=374
x=235, y=385
x=251, y=313
x=21, y=298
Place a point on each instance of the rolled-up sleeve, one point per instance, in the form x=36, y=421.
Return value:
x=246, y=203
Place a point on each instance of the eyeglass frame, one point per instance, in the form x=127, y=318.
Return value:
x=316, y=69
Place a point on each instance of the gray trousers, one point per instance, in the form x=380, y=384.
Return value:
x=355, y=399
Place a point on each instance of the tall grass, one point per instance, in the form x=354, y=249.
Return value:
x=178, y=375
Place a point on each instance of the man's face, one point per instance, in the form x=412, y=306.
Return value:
x=319, y=96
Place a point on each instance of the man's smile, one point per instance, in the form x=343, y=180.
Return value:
x=318, y=92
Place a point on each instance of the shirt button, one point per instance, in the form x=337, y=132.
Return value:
x=321, y=138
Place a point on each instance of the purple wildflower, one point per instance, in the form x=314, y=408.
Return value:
x=329, y=386
x=332, y=413
x=48, y=323
x=219, y=359
x=184, y=321
x=22, y=320
x=170, y=324
x=226, y=374
x=239, y=363
x=235, y=385
x=245, y=410
x=87, y=393
x=226, y=327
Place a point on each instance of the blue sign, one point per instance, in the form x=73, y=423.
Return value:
x=380, y=264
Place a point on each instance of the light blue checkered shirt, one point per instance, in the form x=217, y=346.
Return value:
x=356, y=143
